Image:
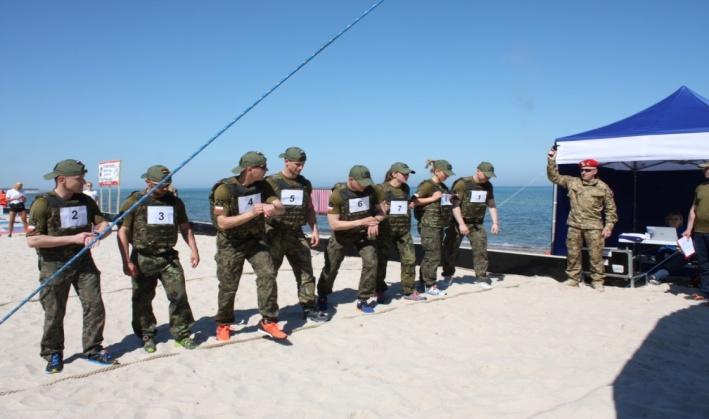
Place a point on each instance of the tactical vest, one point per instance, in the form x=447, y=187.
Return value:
x=434, y=214
x=66, y=218
x=155, y=228
x=348, y=215
x=398, y=222
x=254, y=227
x=473, y=212
x=295, y=215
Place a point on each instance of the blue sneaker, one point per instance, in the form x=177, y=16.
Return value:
x=55, y=364
x=364, y=307
x=101, y=358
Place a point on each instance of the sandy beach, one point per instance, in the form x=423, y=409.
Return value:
x=527, y=348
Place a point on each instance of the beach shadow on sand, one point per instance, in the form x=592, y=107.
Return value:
x=668, y=376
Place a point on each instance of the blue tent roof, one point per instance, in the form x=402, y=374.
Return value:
x=683, y=111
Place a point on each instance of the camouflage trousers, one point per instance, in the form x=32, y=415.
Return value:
x=432, y=243
x=168, y=270
x=335, y=254
x=389, y=241
x=293, y=244
x=478, y=244
x=230, y=265
x=594, y=242
x=85, y=279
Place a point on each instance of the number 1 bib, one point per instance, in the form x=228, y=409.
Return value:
x=478, y=197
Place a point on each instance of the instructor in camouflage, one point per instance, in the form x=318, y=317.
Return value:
x=152, y=230
x=591, y=218
x=476, y=195
x=240, y=204
x=61, y=223
x=284, y=234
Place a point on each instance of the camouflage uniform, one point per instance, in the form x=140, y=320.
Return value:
x=341, y=202
x=245, y=242
x=153, y=238
x=285, y=236
x=433, y=218
x=395, y=234
x=474, y=199
x=53, y=216
x=589, y=201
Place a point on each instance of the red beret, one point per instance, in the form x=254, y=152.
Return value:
x=588, y=163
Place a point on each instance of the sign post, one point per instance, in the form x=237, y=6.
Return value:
x=109, y=176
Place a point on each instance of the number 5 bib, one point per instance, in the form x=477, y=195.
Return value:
x=292, y=197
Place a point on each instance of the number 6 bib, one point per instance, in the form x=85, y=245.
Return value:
x=359, y=204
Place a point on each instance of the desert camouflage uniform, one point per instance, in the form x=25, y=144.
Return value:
x=155, y=257
x=285, y=236
x=474, y=217
x=395, y=235
x=46, y=217
x=245, y=242
x=590, y=202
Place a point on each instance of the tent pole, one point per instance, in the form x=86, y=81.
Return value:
x=553, y=219
x=635, y=197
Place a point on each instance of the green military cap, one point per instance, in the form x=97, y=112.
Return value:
x=67, y=167
x=294, y=154
x=444, y=166
x=250, y=159
x=361, y=175
x=704, y=165
x=402, y=168
x=487, y=169
x=156, y=173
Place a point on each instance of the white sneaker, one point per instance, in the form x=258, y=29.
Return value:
x=435, y=291
x=483, y=284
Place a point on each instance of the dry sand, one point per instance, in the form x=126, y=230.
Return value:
x=527, y=348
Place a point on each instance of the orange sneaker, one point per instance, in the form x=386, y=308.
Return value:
x=223, y=331
x=271, y=329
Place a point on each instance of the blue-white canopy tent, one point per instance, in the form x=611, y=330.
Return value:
x=649, y=159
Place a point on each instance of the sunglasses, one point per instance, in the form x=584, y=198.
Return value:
x=587, y=170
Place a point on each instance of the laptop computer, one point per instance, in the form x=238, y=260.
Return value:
x=668, y=234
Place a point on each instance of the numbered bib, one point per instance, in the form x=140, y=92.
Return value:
x=246, y=203
x=359, y=204
x=446, y=200
x=160, y=215
x=73, y=216
x=478, y=197
x=399, y=208
x=292, y=197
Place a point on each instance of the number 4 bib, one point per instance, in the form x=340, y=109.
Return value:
x=246, y=203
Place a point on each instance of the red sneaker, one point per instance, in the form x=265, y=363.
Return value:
x=223, y=332
x=271, y=329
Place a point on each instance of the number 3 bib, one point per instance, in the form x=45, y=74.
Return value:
x=160, y=214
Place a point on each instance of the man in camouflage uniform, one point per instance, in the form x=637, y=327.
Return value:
x=152, y=230
x=354, y=213
x=475, y=194
x=591, y=201
x=698, y=230
x=284, y=234
x=62, y=223
x=239, y=207
x=395, y=232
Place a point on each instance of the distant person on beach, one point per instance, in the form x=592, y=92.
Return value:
x=152, y=231
x=3, y=198
x=476, y=195
x=284, y=234
x=698, y=230
x=675, y=263
x=591, y=218
x=64, y=221
x=16, y=202
x=88, y=190
x=354, y=213
x=395, y=232
x=240, y=204
x=435, y=207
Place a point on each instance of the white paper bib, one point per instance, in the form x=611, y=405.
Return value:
x=73, y=216
x=161, y=214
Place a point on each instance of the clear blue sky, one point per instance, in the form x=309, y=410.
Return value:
x=148, y=82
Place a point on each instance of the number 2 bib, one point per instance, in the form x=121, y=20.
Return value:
x=73, y=216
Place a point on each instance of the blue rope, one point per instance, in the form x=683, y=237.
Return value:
x=108, y=229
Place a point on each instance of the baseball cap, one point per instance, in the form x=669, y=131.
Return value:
x=361, y=175
x=67, y=167
x=487, y=168
x=401, y=168
x=588, y=163
x=250, y=159
x=156, y=173
x=294, y=154
x=444, y=166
